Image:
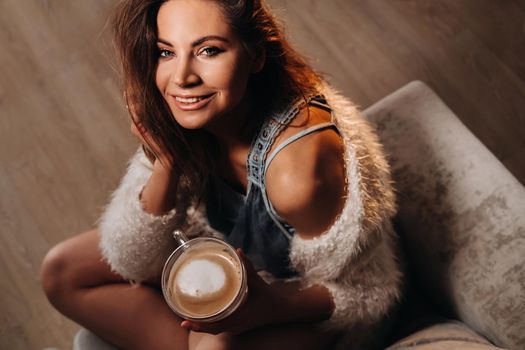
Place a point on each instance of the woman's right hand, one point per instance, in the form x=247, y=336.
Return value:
x=149, y=145
x=158, y=195
x=135, y=131
x=151, y=148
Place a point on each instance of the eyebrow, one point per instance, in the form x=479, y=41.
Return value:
x=198, y=41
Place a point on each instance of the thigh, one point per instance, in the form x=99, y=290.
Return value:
x=285, y=336
x=78, y=262
x=88, y=292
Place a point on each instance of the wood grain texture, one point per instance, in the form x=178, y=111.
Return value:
x=64, y=141
x=470, y=52
x=64, y=131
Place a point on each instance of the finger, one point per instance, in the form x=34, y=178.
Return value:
x=247, y=263
x=138, y=127
x=140, y=132
x=210, y=328
x=133, y=127
x=187, y=325
x=142, y=128
x=251, y=273
x=144, y=136
x=151, y=156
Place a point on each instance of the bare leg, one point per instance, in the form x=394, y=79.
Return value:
x=285, y=337
x=81, y=286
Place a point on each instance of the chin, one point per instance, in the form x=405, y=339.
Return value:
x=192, y=122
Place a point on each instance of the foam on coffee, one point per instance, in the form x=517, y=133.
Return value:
x=200, y=277
x=204, y=280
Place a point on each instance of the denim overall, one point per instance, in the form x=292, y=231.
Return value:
x=249, y=221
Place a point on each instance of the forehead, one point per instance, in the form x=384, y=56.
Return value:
x=187, y=20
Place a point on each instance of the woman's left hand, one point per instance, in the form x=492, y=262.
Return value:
x=261, y=308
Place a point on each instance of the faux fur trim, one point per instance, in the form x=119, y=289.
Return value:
x=135, y=243
x=354, y=259
x=197, y=225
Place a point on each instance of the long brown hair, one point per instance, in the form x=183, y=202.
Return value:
x=284, y=73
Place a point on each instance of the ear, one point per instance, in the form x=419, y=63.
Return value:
x=258, y=60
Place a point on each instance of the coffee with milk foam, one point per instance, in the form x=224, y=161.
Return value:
x=204, y=280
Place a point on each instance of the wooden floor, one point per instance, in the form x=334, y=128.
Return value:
x=64, y=134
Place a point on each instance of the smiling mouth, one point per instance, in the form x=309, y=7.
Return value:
x=190, y=100
x=192, y=103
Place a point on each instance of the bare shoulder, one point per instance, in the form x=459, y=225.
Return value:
x=306, y=182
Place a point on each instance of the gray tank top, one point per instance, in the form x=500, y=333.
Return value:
x=250, y=221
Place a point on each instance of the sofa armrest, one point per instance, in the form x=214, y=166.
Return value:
x=461, y=213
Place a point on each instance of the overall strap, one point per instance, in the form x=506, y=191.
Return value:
x=264, y=140
x=315, y=128
x=319, y=101
x=310, y=130
x=258, y=160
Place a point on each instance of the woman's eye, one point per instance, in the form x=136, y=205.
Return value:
x=165, y=53
x=211, y=51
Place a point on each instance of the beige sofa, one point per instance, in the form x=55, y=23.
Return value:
x=462, y=224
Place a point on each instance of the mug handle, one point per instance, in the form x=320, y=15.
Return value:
x=180, y=237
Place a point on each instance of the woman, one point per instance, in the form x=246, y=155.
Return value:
x=240, y=139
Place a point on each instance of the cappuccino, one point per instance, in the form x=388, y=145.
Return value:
x=205, y=280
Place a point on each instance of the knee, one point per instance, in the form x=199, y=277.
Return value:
x=54, y=273
x=218, y=342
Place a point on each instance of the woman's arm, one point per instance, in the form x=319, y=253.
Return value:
x=134, y=241
x=317, y=187
x=280, y=302
x=137, y=225
x=306, y=185
x=158, y=195
x=293, y=297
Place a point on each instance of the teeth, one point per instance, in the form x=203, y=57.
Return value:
x=188, y=100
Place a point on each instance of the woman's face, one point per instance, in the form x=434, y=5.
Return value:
x=203, y=68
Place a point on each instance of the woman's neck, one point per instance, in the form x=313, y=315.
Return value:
x=235, y=130
x=234, y=135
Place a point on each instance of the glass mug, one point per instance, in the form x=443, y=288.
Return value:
x=203, y=279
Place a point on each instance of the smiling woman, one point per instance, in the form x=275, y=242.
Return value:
x=202, y=77
x=241, y=140
x=195, y=48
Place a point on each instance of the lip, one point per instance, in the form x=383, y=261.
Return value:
x=192, y=106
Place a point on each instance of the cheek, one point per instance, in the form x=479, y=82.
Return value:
x=240, y=71
x=231, y=78
x=161, y=78
x=240, y=76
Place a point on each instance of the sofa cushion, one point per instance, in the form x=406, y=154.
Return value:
x=461, y=213
x=443, y=336
x=85, y=340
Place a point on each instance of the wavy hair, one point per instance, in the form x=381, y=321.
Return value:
x=285, y=72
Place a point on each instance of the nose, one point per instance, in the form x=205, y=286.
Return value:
x=184, y=74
